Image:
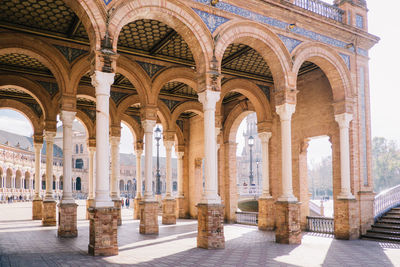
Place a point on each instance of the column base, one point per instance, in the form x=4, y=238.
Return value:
x=37, y=206
x=210, y=231
x=67, y=220
x=288, y=229
x=266, y=216
x=117, y=205
x=136, y=208
x=89, y=204
x=49, y=213
x=148, y=217
x=103, y=232
x=346, y=219
x=180, y=208
x=169, y=211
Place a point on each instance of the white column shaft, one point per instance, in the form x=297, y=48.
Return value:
x=265, y=136
x=168, y=147
x=115, y=169
x=49, y=137
x=102, y=82
x=38, y=176
x=138, y=173
x=67, y=117
x=148, y=126
x=180, y=173
x=91, y=172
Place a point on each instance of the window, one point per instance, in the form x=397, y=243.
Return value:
x=81, y=148
x=78, y=184
x=79, y=164
x=76, y=149
x=349, y=17
x=359, y=21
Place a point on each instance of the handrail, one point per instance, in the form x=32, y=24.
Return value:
x=247, y=217
x=320, y=8
x=314, y=207
x=386, y=200
x=320, y=225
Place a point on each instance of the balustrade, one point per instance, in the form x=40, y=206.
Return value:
x=386, y=200
x=321, y=8
x=320, y=225
x=245, y=217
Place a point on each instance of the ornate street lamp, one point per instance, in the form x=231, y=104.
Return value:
x=157, y=134
x=251, y=143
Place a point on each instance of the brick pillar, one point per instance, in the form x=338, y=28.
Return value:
x=169, y=211
x=148, y=217
x=366, y=210
x=49, y=213
x=67, y=220
x=287, y=222
x=210, y=232
x=37, y=209
x=117, y=205
x=347, y=220
x=180, y=207
x=103, y=231
x=136, y=208
x=266, y=214
x=89, y=204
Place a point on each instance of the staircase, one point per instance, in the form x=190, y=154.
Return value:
x=386, y=228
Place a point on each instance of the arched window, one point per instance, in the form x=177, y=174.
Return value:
x=76, y=149
x=79, y=164
x=175, y=186
x=78, y=184
x=81, y=148
x=43, y=185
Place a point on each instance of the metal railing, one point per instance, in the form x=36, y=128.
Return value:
x=321, y=8
x=320, y=225
x=386, y=200
x=246, y=217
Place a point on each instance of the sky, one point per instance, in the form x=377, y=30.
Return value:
x=384, y=87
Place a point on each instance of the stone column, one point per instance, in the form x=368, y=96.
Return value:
x=90, y=200
x=180, y=211
x=67, y=223
x=344, y=121
x=115, y=171
x=103, y=215
x=288, y=229
x=149, y=205
x=37, y=201
x=169, y=203
x=210, y=232
x=138, y=198
x=49, y=203
x=266, y=220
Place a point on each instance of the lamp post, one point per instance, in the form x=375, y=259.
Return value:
x=157, y=135
x=251, y=143
x=258, y=177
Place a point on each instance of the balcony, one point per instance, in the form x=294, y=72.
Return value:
x=320, y=8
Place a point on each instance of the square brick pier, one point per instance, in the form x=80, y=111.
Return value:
x=210, y=232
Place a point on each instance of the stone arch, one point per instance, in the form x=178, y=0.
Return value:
x=127, y=102
x=181, y=17
x=233, y=120
x=87, y=123
x=164, y=114
x=331, y=64
x=18, y=179
x=135, y=128
x=40, y=50
x=260, y=38
x=27, y=180
x=193, y=106
x=9, y=175
x=121, y=185
x=250, y=90
x=78, y=69
x=32, y=88
x=180, y=74
x=179, y=139
x=27, y=112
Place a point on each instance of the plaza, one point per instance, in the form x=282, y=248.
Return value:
x=26, y=243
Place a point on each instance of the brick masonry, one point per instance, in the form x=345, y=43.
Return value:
x=148, y=217
x=210, y=231
x=103, y=232
x=180, y=208
x=49, y=213
x=288, y=229
x=117, y=205
x=89, y=203
x=37, y=206
x=67, y=220
x=136, y=208
x=346, y=219
x=266, y=214
x=169, y=211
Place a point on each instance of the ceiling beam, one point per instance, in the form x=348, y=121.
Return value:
x=119, y=80
x=177, y=88
x=74, y=26
x=163, y=42
x=234, y=56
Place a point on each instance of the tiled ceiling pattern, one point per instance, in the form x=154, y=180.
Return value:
x=48, y=15
x=20, y=95
x=83, y=101
x=178, y=88
x=23, y=61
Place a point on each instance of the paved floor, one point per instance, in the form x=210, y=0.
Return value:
x=24, y=242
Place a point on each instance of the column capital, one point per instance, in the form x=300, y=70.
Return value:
x=169, y=136
x=139, y=152
x=102, y=81
x=285, y=111
x=209, y=99
x=91, y=142
x=67, y=117
x=344, y=120
x=168, y=144
x=138, y=145
x=92, y=149
x=115, y=140
x=49, y=136
x=68, y=102
x=37, y=146
x=148, y=113
x=148, y=125
x=286, y=96
x=264, y=136
x=179, y=154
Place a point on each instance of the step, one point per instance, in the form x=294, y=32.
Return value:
x=387, y=216
x=389, y=232
x=381, y=237
x=395, y=213
x=386, y=226
x=389, y=221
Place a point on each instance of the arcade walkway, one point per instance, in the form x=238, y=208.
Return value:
x=24, y=242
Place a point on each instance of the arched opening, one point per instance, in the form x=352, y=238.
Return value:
x=27, y=181
x=9, y=178
x=78, y=185
x=18, y=179
x=122, y=186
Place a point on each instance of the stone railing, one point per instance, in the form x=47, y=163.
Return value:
x=246, y=217
x=320, y=225
x=386, y=200
x=320, y=8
